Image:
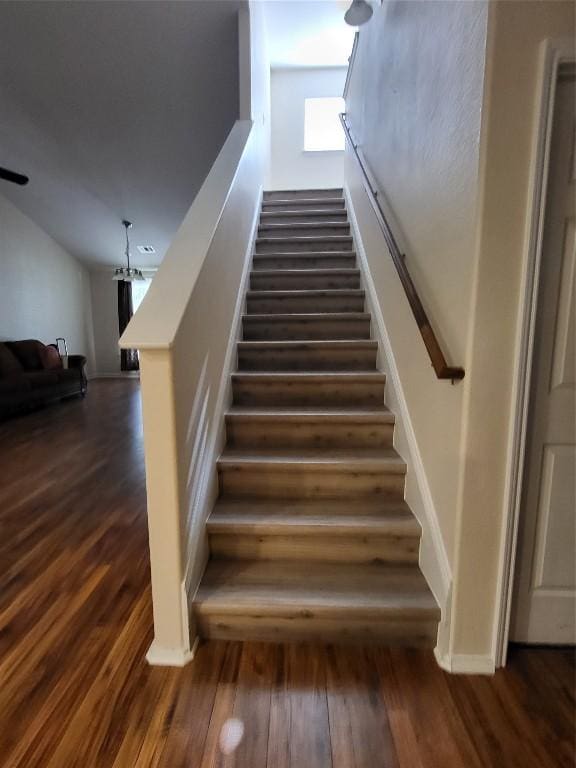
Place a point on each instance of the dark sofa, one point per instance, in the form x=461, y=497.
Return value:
x=32, y=373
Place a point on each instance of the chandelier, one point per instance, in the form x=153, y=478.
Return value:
x=127, y=273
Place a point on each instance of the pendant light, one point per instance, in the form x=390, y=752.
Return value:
x=359, y=13
x=127, y=273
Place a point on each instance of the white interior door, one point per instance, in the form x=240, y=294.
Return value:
x=544, y=606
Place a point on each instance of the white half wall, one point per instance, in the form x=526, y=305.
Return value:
x=290, y=166
x=185, y=330
x=44, y=291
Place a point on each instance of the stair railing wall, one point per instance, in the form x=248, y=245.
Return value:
x=184, y=331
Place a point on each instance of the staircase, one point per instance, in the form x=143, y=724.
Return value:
x=310, y=537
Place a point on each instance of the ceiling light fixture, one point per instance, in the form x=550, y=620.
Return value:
x=359, y=13
x=128, y=273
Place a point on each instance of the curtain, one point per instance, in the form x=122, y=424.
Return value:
x=128, y=357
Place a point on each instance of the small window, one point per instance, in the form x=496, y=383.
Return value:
x=322, y=129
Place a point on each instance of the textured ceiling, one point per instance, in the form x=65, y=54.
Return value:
x=115, y=110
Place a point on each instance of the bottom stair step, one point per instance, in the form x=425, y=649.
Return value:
x=284, y=601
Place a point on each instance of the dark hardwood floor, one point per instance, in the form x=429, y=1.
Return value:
x=76, y=621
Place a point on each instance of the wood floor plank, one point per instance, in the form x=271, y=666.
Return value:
x=356, y=705
x=193, y=708
x=299, y=725
x=309, y=723
x=103, y=706
x=540, y=714
x=46, y=697
x=280, y=714
x=213, y=756
x=441, y=736
x=149, y=719
x=401, y=725
x=252, y=705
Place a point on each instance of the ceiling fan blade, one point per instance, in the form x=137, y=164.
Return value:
x=16, y=178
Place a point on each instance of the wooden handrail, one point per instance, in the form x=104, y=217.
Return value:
x=441, y=367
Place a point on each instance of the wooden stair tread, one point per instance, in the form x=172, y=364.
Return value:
x=384, y=459
x=280, y=588
x=313, y=190
x=307, y=316
x=309, y=377
x=327, y=271
x=285, y=201
x=312, y=413
x=304, y=255
x=307, y=212
x=307, y=343
x=334, y=508
x=282, y=226
x=306, y=239
x=269, y=522
x=296, y=293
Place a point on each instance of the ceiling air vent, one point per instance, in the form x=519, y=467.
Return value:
x=146, y=249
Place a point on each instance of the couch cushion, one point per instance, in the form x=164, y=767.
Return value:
x=9, y=363
x=28, y=353
x=41, y=379
x=50, y=357
x=16, y=383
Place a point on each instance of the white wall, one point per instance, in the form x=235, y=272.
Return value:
x=255, y=85
x=414, y=102
x=291, y=167
x=44, y=291
x=104, y=293
x=507, y=167
x=443, y=101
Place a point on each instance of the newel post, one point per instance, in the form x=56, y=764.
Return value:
x=171, y=644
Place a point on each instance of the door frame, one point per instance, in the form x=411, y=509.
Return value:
x=553, y=54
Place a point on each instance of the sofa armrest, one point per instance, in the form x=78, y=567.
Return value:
x=78, y=362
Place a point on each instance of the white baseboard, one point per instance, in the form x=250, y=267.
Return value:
x=466, y=663
x=159, y=656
